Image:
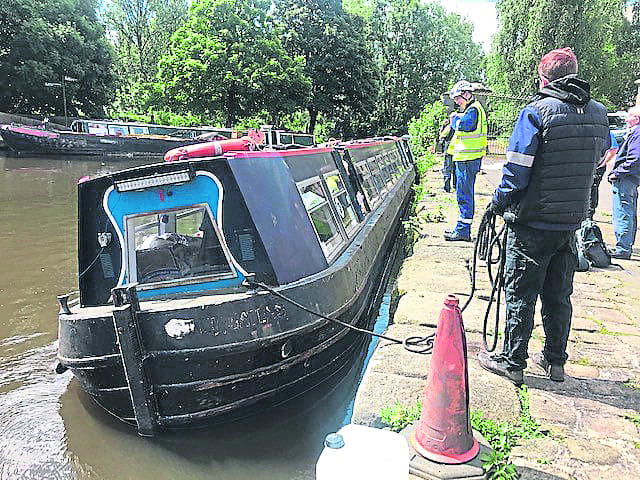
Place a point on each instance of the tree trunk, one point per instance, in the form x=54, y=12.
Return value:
x=313, y=117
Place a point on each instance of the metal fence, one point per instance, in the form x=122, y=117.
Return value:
x=502, y=112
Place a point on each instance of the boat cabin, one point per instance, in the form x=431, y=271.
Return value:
x=111, y=127
x=198, y=227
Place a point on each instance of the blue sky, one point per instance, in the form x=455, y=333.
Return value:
x=482, y=13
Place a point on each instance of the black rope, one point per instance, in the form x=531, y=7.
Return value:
x=491, y=246
x=415, y=344
x=92, y=262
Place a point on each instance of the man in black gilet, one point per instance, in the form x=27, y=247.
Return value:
x=556, y=144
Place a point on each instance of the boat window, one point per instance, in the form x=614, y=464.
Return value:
x=341, y=201
x=118, y=130
x=139, y=130
x=367, y=182
x=317, y=206
x=306, y=140
x=399, y=163
x=285, y=139
x=97, y=128
x=390, y=168
x=175, y=244
x=377, y=176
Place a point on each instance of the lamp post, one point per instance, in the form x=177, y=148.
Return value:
x=64, y=93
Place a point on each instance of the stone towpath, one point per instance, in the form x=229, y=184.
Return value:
x=594, y=416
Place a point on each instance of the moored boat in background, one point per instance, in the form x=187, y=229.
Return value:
x=106, y=137
x=192, y=274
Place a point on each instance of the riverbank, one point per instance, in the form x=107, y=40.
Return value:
x=593, y=418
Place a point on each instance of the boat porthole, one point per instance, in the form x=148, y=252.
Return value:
x=286, y=349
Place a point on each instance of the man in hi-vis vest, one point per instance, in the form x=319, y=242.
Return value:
x=469, y=145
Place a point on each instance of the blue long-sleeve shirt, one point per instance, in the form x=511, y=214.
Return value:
x=521, y=154
x=628, y=157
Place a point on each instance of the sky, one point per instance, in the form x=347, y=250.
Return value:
x=482, y=13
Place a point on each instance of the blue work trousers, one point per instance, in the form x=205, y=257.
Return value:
x=465, y=182
x=625, y=217
x=538, y=263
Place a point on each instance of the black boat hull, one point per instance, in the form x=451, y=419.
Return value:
x=242, y=354
x=69, y=143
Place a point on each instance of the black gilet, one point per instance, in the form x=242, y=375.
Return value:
x=573, y=138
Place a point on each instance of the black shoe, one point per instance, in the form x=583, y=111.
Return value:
x=554, y=372
x=491, y=364
x=456, y=237
x=446, y=188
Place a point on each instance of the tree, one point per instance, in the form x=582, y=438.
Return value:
x=42, y=41
x=143, y=30
x=594, y=29
x=227, y=61
x=344, y=77
x=421, y=51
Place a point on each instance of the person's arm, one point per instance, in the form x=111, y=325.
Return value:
x=610, y=154
x=521, y=153
x=629, y=164
x=467, y=121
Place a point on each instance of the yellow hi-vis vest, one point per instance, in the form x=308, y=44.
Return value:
x=470, y=145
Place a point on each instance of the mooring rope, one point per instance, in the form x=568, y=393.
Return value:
x=488, y=240
x=413, y=344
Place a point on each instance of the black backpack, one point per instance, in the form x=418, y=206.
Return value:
x=592, y=251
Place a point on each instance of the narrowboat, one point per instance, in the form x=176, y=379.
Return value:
x=106, y=137
x=208, y=286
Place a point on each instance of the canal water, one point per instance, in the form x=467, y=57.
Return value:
x=49, y=429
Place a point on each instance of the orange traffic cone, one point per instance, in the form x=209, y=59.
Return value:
x=444, y=432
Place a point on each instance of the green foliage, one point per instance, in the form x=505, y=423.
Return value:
x=400, y=416
x=424, y=129
x=141, y=31
x=504, y=436
x=632, y=383
x=297, y=121
x=162, y=117
x=605, y=43
x=45, y=41
x=425, y=162
x=634, y=418
x=227, y=61
x=422, y=51
x=344, y=77
x=435, y=215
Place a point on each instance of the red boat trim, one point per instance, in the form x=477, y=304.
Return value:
x=33, y=131
x=278, y=153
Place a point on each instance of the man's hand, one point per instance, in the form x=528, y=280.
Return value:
x=491, y=211
x=494, y=208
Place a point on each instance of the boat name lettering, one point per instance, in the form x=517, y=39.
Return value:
x=260, y=321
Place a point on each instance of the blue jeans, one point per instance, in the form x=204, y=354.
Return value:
x=538, y=263
x=465, y=182
x=625, y=220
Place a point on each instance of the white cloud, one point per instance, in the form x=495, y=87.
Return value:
x=482, y=13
